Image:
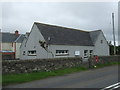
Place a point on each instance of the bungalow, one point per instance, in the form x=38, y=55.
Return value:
x=50, y=41
x=9, y=48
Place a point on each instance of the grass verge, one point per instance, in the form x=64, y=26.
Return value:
x=26, y=77
x=107, y=64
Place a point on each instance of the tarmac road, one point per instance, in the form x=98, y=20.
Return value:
x=95, y=78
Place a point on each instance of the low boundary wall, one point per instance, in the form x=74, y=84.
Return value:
x=40, y=65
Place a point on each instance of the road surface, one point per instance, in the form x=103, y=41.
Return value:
x=95, y=78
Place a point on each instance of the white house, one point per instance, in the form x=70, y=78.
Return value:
x=50, y=41
x=10, y=46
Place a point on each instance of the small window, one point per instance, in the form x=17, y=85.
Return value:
x=32, y=53
x=101, y=41
x=77, y=53
x=91, y=52
x=61, y=52
x=23, y=52
x=85, y=53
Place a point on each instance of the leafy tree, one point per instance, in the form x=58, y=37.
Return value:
x=118, y=50
x=111, y=47
x=112, y=50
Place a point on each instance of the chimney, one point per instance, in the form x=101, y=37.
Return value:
x=16, y=32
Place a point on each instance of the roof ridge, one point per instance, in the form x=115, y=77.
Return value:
x=7, y=33
x=60, y=26
x=95, y=30
x=10, y=33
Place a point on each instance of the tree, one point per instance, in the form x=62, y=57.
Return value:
x=118, y=50
x=112, y=50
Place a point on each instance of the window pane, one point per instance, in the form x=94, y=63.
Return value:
x=101, y=41
x=91, y=51
x=32, y=52
x=85, y=52
x=23, y=52
x=61, y=52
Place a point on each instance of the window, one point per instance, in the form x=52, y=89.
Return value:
x=32, y=53
x=61, y=52
x=85, y=53
x=77, y=53
x=23, y=52
x=91, y=52
x=101, y=41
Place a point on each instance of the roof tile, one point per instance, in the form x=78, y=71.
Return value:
x=64, y=36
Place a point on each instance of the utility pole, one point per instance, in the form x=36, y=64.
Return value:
x=114, y=34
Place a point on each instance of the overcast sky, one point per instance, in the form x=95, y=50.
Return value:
x=79, y=15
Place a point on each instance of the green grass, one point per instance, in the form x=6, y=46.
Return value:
x=107, y=64
x=0, y=80
x=26, y=77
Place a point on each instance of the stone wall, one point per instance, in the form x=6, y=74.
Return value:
x=106, y=59
x=96, y=60
x=39, y=65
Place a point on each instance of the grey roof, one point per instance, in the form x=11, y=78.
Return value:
x=64, y=36
x=94, y=35
x=10, y=37
x=20, y=38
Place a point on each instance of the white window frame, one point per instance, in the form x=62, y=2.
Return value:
x=91, y=53
x=24, y=52
x=62, y=52
x=85, y=54
x=32, y=53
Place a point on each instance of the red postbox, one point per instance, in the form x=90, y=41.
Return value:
x=96, y=58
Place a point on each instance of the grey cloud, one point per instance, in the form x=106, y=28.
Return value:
x=80, y=15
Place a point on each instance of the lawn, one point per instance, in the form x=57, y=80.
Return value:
x=26, y=77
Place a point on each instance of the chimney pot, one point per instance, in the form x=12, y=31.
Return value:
x=16, y=32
